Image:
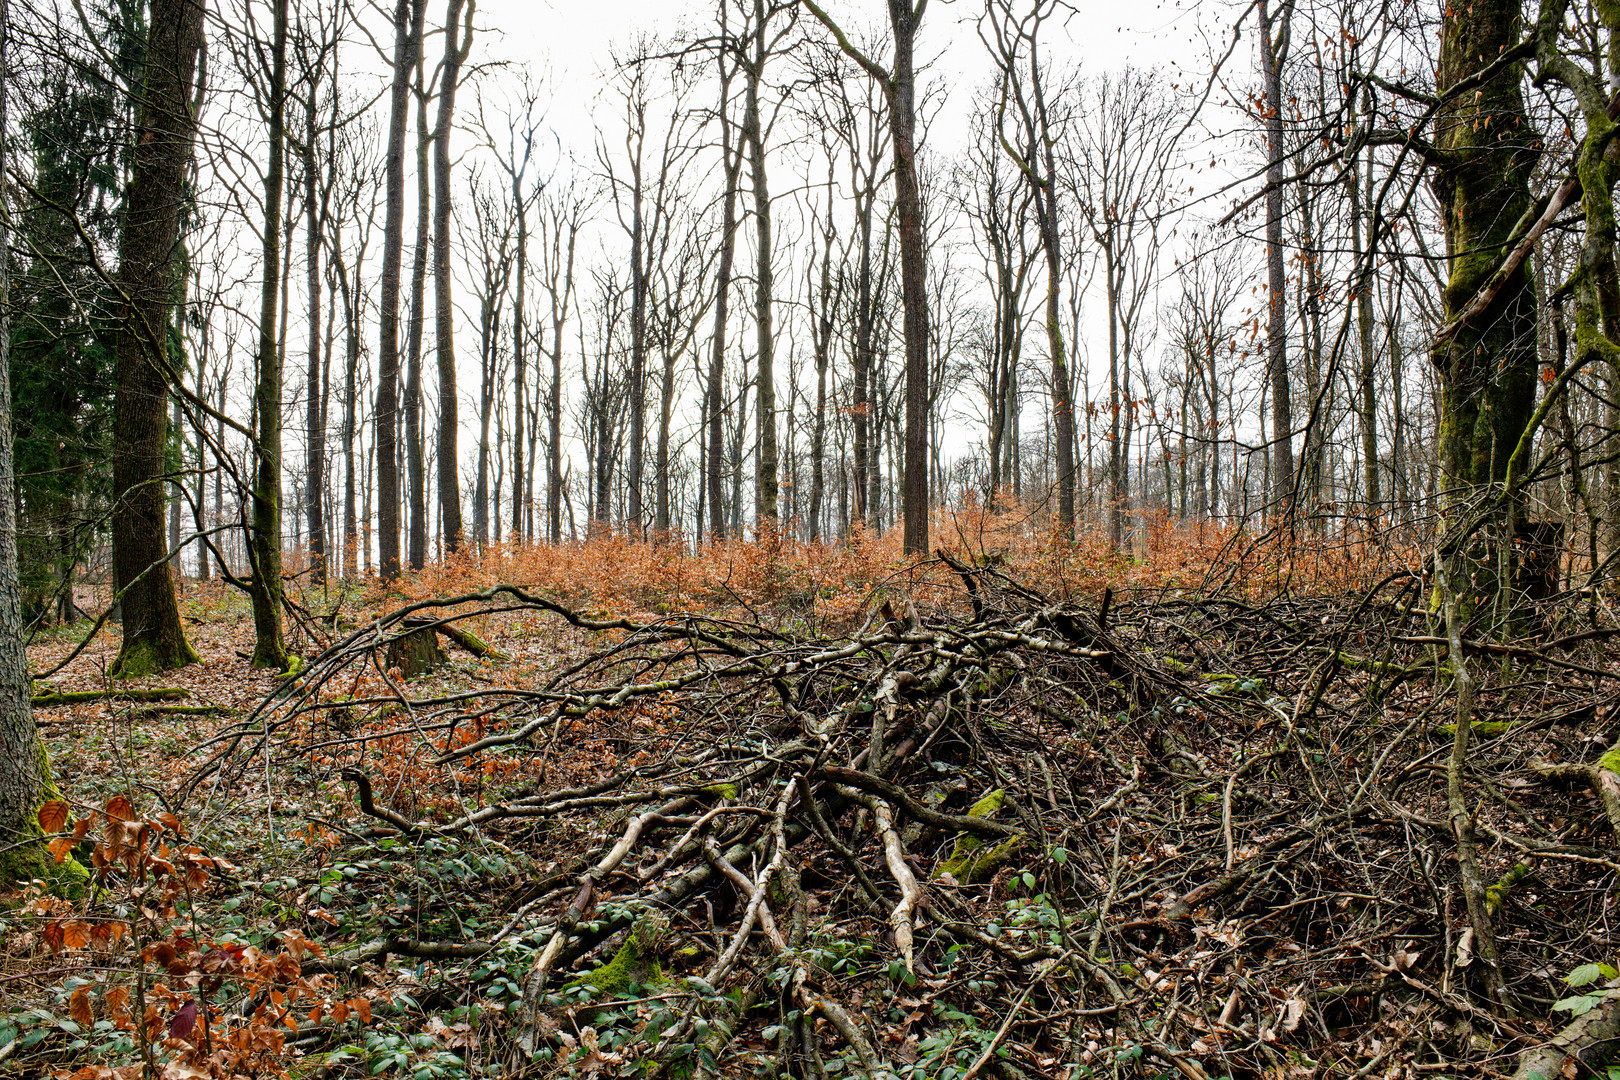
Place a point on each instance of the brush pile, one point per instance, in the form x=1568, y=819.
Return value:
x=990, y=834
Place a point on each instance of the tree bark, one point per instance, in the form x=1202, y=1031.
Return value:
x=1367, y=373
x=415, y=465
x=716, y=404
x=1274, y=35
x=148, y=279
x=560, y=265
x=25, y=781
x=315, y=400
x=1487, y=365
x=904, y=20
x=766, y=490
x=457, y=45
x=900, y=93
x=408, y=17
x=269, y=649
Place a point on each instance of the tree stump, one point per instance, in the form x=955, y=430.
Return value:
x=415, y=653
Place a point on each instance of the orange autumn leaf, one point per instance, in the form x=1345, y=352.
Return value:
x=117, y=1000
x=120, y=809
x=53, y=816
x=79, y=1007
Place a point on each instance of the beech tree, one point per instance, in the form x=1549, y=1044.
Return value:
x=25, y=777
x=458, y=29
x=149, y=278
x=899, y=84
x=409, y=16
x=1029, y=132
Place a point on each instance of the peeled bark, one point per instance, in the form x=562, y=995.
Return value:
x=165, y=128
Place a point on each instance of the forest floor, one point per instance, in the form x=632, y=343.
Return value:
x=790, y=811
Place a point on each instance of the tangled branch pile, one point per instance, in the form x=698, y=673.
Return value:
x=995, y=834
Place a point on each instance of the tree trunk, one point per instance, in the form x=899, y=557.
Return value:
x=415, y=463
x=826, y=310
x=148, y=277
x=269, y=650
x=559, y=313
x=1045, y=194
x=25, y=779
x=457, y=44
x=716, y=405
x=766, y=489
x=904, y=20
x=861, y=362
x=315, y=404
x=408, y=18
x=1487, y=367
x=1367, y=373
x=1118, y=461
x=520, y=392
x=1274, y=34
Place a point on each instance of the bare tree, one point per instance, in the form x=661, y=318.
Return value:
x=645, y=186
x=562, y=215
x=458, y=28
x=489, y=254
x=409, y=16
x=148, y=279
x=1123, y=148
x=1028, y=131
x=1275, y=31
x=899, y=85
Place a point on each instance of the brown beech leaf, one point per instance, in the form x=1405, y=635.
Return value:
x=53, y=816
x=79, y=1007
x=118, y=1005
x=120, y=809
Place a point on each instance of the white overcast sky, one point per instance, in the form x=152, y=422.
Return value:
x=573, y=41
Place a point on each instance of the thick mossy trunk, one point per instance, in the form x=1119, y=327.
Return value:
x=1486, y=152
x=1486, y=358
x=149, y=273
x=23, y=855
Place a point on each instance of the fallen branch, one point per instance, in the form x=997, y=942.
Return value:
x=79, y=697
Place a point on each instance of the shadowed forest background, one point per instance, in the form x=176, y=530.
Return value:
x=905, y=542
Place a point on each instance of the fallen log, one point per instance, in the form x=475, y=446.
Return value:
x=1591, y=1040
x=79, y=697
